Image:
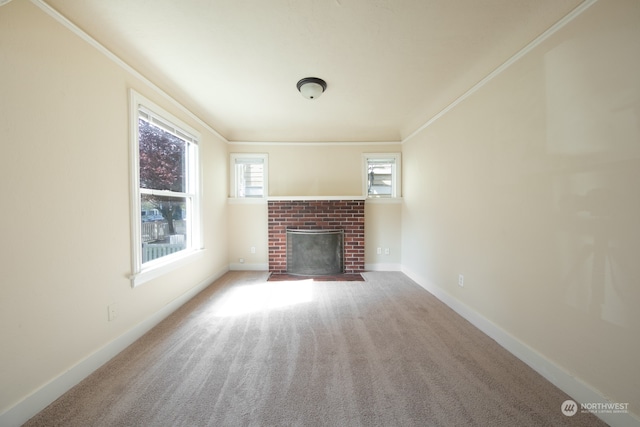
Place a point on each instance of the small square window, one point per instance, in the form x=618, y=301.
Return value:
x=248, y=175
x=382, y=175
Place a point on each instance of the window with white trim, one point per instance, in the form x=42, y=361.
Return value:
x=248, y=175
x=382, y=175
x=165, y=181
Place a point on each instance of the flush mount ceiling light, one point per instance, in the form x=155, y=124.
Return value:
x=311, y=87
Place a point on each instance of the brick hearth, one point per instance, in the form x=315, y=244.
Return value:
x=347, y=215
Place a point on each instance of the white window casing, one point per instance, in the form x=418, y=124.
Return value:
x=249, y=176
x=381, y=175
x=185, y=243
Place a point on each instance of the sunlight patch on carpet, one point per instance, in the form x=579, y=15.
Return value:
x=263, y=296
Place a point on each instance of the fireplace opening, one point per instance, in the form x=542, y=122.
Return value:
x=315, y=252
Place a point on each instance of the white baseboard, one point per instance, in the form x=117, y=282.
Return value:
x=382, y=267
x=45, y=395
x=580, y=391
x=248, y=267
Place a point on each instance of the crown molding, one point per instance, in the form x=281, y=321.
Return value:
x=522, y=52
x=315, y=143
x=117, y=60
x=122, y=64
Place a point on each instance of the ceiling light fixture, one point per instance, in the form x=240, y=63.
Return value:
x=311, y=87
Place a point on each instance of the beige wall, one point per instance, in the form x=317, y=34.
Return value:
x=65, y=218
x=382, y=231
x=248, y=228
x=314, y=170
x=530, y=188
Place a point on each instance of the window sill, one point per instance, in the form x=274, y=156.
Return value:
x=247, y=200
x=384, y=200
x=171, y=263
x=312, y=198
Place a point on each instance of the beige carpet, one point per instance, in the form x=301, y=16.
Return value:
x=247, y=352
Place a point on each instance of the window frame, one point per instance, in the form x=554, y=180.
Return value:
x=396, y=175
x=142, y=273
x=233, y=178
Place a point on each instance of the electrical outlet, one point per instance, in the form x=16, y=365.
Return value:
x=460, y=280
x=241, y=260
x=387, y=251
x=379, y=251
x=253, y=249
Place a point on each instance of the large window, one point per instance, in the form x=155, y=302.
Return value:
x=382, y=175
x=248, y=175
x=165, y=187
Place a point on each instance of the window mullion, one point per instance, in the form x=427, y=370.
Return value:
x=165, y=193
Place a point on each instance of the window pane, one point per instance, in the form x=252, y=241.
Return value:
x=250, y=179
x=162, y=159
x=380, y=177
x=164, y=226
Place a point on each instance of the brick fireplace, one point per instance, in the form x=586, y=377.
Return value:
x=317, y=214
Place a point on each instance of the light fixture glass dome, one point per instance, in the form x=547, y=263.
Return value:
x=311, y=87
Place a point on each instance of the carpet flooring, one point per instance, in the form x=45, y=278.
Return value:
x=248, y=352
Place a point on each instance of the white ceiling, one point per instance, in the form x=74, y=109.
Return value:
x=390, y=65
